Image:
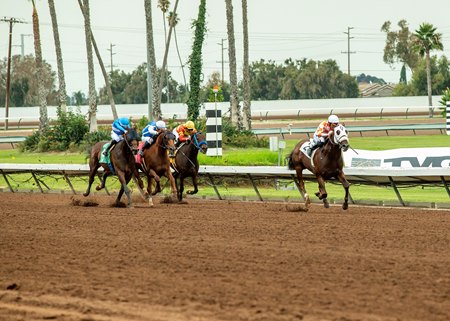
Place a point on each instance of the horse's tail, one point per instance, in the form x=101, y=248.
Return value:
x=290, y=161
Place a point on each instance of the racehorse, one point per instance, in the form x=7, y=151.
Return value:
x=186, y=163
x=122, y=164
x=156, y=163
x=325, y=163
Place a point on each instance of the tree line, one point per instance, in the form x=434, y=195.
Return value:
x=33, y=81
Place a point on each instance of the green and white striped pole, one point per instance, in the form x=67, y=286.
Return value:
x=447, y=113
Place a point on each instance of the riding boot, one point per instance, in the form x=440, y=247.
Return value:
x=108, y=149
x=146, y=145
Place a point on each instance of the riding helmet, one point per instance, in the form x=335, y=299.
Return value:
x=333, y=119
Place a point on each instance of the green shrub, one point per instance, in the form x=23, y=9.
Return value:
x=68, y=129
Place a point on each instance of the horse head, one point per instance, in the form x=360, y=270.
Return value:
x=168, y=142
x=199, y=141
x=340, y=137
x=132, y=139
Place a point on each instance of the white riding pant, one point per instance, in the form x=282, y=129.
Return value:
x=318, y=139
x=147, y=139
x=177, y=136
x=116, y=137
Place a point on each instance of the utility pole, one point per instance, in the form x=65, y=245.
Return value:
x=8, y=72
x=348, y=52
x=222, y=61
x=22, y=43
x=111, y=55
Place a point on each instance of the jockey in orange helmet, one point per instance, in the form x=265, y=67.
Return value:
x=184, y=131
x=322, y=132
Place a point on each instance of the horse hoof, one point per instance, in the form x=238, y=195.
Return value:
x=98, y=188
x=326, y=205
x=344, y=206
x=150, y=202
x=85, y=194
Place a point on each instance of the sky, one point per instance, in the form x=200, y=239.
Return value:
x=278, y=30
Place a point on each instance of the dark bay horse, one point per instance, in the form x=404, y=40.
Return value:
x=186, y=163
x=122, y=164
x=325, y=163
x=156, y=163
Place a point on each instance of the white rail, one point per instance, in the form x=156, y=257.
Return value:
x=369, y=176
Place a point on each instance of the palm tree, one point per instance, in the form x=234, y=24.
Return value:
x=235, y=115
x=102, y=67
x=173, y=21
x=92, y=91
x=426, y=40
x=164, y=6
x=154, y=107
x=42, y=93
x=161, y=79
x=59, y=59
x=246, y=109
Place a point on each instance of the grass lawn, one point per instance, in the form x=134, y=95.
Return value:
x=249, y=157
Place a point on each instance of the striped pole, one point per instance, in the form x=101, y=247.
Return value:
x=447, y=113
x=214, y=131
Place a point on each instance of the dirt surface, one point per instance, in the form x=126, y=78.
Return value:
x=219, y=260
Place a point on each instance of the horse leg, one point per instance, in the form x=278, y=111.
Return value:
x=172, y=181
x=346, y=185
x=124, y=188
x=127, y=189
x=322, y=193
x=301, y=185
x=92, y=173
x=195, y=182
x=149, y=190
x=181, y=189
x=103, y=180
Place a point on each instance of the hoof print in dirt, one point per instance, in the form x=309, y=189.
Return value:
x=296, y=208
x=167, y=200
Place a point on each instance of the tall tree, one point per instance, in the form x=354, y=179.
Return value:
x=164, y=6
x=399, y=47
x=173, y=21
x=234, y=101
x=42, y=92
x=102, y=67
x=92, y=91
x=427, y=39
x=59, y=58
x=166, y=52
x=195, y=61
x=246, y=109
x=154, y=104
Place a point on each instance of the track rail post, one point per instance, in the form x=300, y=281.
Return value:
x=396, y=191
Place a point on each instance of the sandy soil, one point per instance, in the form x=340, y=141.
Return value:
x=219, y=260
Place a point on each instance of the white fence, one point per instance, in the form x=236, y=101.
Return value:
x=371, y=176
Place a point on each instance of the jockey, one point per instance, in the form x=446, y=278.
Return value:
x=150, y=132
x=120, y=126
x=184, y=131
x=322, y=133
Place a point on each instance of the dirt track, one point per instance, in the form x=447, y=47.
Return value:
x=219, y=260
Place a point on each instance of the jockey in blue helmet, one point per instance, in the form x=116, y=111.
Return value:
x=150, y=132
x=120, y=126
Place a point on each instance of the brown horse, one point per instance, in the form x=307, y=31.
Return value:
x=186, y=163
x=156, y=163
x=325, y=163
x=122, y=164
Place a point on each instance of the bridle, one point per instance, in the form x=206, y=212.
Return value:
x=198, y=144
x=340, y=139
